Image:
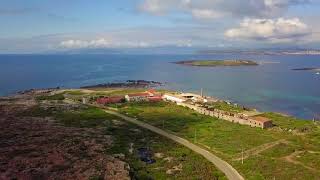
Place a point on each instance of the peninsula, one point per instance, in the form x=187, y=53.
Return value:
x=142, y=133
x=215, y=63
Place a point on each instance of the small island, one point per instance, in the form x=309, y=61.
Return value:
x=307, y=69
x=215, y=63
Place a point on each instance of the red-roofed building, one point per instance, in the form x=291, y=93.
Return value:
x=155, y=99
x=150, y=95
x=110, y=100
x=152, y=91
x=259, y=121
x=137, y=97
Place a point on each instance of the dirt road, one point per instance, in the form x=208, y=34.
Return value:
x=226, y=168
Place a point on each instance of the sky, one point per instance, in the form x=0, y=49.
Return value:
x=40, y=26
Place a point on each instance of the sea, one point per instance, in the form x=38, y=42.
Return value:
x=272, y=86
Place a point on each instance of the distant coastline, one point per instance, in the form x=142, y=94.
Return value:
x=263, y=52
x=215, y=63
x=127, y=84
x=307, y=69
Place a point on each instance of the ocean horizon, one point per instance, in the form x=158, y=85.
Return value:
x=267, y=87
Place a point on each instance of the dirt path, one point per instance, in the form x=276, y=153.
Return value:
x=291, y=159
x=259, y=149
x=226, y=168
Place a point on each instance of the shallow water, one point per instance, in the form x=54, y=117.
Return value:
x=268, y=87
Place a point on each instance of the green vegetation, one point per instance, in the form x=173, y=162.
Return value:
x=228, y=139
x=297, y=157
x=123, y=92
x=75, y=93
x=192, y=166
x=211, y=132
x=265, y=167
x=36, y=111
x=90, y=117
x=286, y=122
x=213, y=63
x=280, y=150
x=227, y=107
x=51, y=97
x=310, y=159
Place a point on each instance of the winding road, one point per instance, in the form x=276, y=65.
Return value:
x=223, y=166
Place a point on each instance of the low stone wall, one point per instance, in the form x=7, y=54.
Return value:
x=231, y=117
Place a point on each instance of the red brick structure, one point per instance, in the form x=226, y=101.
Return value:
x=155, y=99
x=109, y=100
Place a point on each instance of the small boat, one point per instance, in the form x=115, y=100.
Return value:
x=318, y=73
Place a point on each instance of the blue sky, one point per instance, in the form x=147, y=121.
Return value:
x=35, y=26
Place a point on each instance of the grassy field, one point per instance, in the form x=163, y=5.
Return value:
x=228, y=140
x=174, y=161
x=193, y=165
x=227, y=107
x=51, y=97
x=296, y=156
x=210, y=132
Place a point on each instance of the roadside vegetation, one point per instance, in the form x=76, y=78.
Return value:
x=289, y=150
x=228, y=140
x=172, y=161
x=51, y=97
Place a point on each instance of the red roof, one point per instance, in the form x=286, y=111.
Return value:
x=261, y=119
x=106, y=100
x=155, y=98
x=152, y=91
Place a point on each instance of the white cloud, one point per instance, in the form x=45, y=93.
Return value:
x=206, y=14
x=99, y=43
x=268, y=29
x=141, y=38
x=158, y=7
x=204, y=9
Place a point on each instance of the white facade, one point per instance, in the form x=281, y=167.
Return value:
x=173, y=98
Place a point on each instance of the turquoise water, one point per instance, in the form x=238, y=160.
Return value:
x=268, y=87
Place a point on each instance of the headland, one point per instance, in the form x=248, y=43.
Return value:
x=69, y=129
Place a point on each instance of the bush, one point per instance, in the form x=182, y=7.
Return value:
x=51, y=98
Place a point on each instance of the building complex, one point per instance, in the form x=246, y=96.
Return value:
x=192, y=101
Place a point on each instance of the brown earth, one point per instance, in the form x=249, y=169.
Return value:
x=39, y=148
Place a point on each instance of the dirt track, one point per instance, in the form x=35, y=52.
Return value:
x=226, y=168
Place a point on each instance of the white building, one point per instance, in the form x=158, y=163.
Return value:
x=174, y=98
x=194, y=97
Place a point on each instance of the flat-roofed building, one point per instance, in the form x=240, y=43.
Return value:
x=193, y=97
x=138, y=96
x=174, y=98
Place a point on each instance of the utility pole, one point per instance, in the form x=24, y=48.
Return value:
x=201, y=92
x=195, y=136
x=242, y=158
